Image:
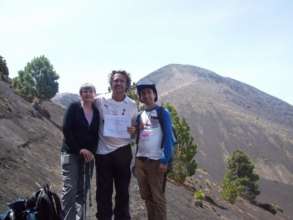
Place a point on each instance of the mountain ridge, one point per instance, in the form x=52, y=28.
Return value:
x=224, y=115
x=239, y=87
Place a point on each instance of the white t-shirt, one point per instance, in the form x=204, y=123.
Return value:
x=108, y=106
x=150, y=136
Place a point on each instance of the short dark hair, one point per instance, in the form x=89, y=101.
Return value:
x=122, y=72
x=141, y=87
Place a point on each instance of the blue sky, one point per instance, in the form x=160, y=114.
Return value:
x=250, y=41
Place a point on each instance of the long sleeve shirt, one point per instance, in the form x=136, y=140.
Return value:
x=78, y=133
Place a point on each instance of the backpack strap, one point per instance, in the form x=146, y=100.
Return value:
x=57, y=206
x=138, y=121
x=160, y=110
x=48, y=204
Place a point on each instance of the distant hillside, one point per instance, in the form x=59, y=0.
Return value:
x=64, y=99
x=224, y=115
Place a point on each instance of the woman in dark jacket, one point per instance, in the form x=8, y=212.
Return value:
x=80, y=130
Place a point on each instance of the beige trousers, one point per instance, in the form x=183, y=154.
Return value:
x=150, y=181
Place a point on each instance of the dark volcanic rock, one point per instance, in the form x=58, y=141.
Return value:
x=29, y=148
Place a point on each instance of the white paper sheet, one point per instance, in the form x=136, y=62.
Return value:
x=116, y=126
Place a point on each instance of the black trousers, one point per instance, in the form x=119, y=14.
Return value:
x=113, y=168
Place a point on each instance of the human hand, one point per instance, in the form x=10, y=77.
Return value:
x=163, y=168
x=86, y=154
x=141, y=126
x=131, y=130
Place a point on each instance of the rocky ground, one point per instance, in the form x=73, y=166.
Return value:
x=181, y=206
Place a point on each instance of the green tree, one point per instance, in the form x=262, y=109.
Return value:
x=240, y=178
x=4, y=72
x=38, y=79
x=183, y=164
x=132, y=93
x=230, y=190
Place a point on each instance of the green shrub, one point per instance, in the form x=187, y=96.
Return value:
x=199, y=195
x=240, y=179
x=184, y=163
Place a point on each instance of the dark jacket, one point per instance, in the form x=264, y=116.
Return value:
x=77, y=133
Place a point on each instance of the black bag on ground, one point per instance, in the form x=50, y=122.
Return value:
x=43, y=205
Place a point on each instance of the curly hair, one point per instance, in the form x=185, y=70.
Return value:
x=122, y=72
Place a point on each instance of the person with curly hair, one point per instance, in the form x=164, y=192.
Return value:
x=114, y=153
